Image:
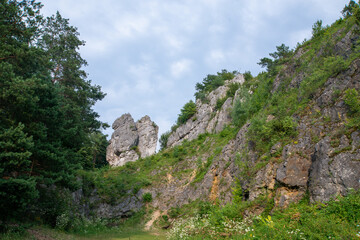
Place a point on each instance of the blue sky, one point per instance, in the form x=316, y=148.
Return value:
x=148, y=54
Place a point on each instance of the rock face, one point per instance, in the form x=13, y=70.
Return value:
x=131, y=140
x=148, y=136
x=207, y=118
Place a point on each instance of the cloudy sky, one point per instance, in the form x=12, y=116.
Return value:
x=148, y=54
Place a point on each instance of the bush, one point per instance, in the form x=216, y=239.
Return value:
x=352, y=100
x=317, y=29
x=187, y=112
x=219, y=103
x=248, y=76
x=233, y=87
x=147, y=197
x=174, y=212
x=212, y=82
x=164, y=139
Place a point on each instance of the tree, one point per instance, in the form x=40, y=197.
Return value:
x=188, y=110
x=266, y=62
x=94, y=151
x=46, y=114
x=61, y=43
x=22, y=76
x=164, y=140
x=349, y=9
x=317, y=29
x=212, y=82
x=282, y=53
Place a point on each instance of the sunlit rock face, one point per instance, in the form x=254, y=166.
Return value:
x=131, y=140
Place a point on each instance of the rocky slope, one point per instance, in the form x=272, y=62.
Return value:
x=297, y=144
x=207, y=118
x=322, y=160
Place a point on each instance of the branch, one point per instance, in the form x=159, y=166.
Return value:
x=4, y=58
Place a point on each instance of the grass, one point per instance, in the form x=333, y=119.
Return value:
x=336, y=219
x=43, y=232
x=114, y=183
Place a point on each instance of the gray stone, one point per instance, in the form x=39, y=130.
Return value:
x=332, y=175
x=131, y=139
x=125, y=135
x=224, y=117
x=206, y=119
x=148, y=136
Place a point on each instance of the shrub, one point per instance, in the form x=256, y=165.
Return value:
x=147, y=197
x=187, y=112
x=248, y=76
x=174, y=212
x=233, y=87
x=219, y=103
x=212, y=82
x=317, y=29
x=352, y=100
x=164, y=139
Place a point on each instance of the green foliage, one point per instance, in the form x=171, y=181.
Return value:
x=48, y=129
x=267, y=132
x=348, y=10
x=147, y=197
x=233, y=87
x=352, y=100
x=317, y=29
x=212, y=82
x=16, y=195
x=247, y=104
x=282, y=53
x=174, y=212
x=15, y=151
x=352, y=9
x=188, y=110
x=337, y=219
x=219, y=103
x=94, y=151
x=248, y=76
x=321, y=71
x=179, y=152
x=164, y=140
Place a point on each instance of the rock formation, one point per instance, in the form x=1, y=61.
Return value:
x=207, y=118
x=131, y=140
x=148, y=136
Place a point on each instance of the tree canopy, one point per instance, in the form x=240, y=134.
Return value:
x=46, y=102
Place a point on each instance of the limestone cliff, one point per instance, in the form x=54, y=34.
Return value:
x=318, y=160
x=131, y=140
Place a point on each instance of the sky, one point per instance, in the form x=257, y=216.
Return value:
x=147, y=55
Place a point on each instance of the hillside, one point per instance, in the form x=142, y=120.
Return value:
x=260, y=143
x=272, y=156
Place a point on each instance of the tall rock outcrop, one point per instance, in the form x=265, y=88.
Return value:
x=207, y=117
x=131, y=140
x=148, y=136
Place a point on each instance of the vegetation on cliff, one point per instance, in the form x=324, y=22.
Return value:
x=48, y=168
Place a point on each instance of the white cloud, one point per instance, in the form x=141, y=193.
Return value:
x=215, y=57
x=180, y=67
x=130, y=26
x=140, y=50
x=141, y=76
